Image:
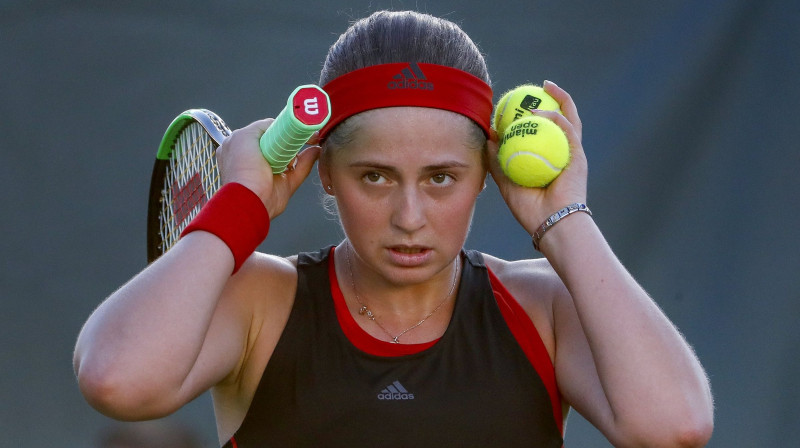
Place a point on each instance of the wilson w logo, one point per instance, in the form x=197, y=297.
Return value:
x=311, y=106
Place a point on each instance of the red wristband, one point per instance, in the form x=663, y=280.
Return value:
x=237, y=216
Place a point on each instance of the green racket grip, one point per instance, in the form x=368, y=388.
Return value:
x=307, y=110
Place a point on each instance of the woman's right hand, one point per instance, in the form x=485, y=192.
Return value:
x=240, y=160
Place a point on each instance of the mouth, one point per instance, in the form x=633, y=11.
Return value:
x=409, y=250
x=410, y=256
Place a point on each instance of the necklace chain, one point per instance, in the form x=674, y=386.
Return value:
x=364, y=310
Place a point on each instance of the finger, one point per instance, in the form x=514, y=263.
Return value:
x=259, y=126
x=573, y=133
x=568, y=107
x=314, y=139
x=252, y=131
x=576, y=150
x=304, y=163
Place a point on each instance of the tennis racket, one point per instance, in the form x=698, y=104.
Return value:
x=185, y=173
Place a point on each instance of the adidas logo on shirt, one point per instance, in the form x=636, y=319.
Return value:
x=410, y=77
x=395, y=391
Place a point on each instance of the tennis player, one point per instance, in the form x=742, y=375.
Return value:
x=397, y=336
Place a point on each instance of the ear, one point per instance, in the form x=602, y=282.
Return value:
x=324, y=174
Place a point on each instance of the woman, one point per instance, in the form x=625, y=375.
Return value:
x=397, y=336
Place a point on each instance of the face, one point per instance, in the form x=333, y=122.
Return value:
x=405, y=187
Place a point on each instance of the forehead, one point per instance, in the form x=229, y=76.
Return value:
x=412, y=132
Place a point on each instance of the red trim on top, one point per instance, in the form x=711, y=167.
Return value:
x=233, y=442
x=357, y=336
x=528, y=338
x=409, y=84
x=516, y=318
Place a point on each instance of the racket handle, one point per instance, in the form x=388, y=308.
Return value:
x=307, y=110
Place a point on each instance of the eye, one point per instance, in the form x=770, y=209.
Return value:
x=374, y=177
x=442, y=179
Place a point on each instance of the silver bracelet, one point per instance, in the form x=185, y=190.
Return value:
x=554, y=218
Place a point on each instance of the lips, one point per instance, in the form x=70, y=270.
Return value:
x=410, y=256
x=408, y=249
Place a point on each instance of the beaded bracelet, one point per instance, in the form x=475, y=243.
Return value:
x=554, y=218
x=237, y=216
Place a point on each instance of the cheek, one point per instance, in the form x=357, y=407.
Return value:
x=452, y=214
x=455, y=214
x=358, y=216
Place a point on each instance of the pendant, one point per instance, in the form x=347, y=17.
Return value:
x=362, y=310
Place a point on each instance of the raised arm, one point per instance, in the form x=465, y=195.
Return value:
x=619, y=361
x=184, y=323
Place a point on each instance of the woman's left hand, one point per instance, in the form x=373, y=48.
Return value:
x=531, y=206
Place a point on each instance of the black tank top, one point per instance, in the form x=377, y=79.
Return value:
x=474, y=387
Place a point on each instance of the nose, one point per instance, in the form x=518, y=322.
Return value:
x=408, y=209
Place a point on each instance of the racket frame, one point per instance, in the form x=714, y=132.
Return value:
x=216, y=129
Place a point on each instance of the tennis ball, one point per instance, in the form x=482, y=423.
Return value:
x=533, y=151
x=518, y=102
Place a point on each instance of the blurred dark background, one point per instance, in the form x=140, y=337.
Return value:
x=690, y=129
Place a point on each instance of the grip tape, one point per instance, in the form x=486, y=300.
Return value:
x=307, y=110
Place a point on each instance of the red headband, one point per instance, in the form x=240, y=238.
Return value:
x=409, y=84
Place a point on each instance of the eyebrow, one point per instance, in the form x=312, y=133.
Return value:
x=450, y=164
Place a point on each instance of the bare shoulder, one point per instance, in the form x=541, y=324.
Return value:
x=531, y=279
x=271, y=264
x=267, y=284
x=262, y=280
x=262, y=294
x=536, y=287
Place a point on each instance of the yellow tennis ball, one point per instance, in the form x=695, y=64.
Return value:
x=533, y=151
x=518, y=102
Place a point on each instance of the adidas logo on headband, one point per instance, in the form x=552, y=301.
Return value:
x=398, y=84
x=410, y=77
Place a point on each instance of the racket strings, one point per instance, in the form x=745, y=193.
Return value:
x=191, y=179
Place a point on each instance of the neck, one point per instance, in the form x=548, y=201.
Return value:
x=396, y=307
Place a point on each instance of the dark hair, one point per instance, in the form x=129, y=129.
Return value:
x=403, y=36
x=400, y=36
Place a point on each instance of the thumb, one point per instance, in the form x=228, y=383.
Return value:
x=300, y=168
x=287, y=182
